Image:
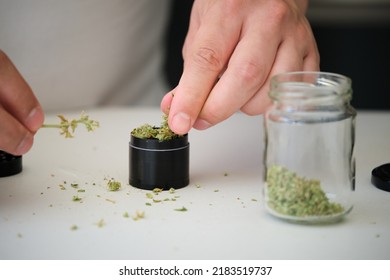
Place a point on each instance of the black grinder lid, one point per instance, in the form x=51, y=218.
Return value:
x=9, y=164
x=380, y=177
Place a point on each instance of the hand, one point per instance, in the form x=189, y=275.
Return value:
x=231, y=51
x=20, y=113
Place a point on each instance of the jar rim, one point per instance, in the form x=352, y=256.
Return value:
x=311, y=84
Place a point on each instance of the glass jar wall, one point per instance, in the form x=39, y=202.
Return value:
x=309, y=142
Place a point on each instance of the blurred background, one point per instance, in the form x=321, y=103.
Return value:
x=352, y=37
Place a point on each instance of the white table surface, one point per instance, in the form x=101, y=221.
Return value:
x=225, y=217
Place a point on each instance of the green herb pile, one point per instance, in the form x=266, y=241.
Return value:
x=162, y=133
x=289, y=194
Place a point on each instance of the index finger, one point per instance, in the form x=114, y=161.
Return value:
x=204, y=60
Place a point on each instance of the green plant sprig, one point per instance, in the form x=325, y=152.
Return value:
x=68, y=127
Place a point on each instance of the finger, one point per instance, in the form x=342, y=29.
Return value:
x=17, y=98
x=15, y=139
x=288, y=59
x=205, y=58
x=193, y=27
x=246, y=73
x=311, y=62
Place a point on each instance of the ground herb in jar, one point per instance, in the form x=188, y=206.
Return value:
x=290, y=194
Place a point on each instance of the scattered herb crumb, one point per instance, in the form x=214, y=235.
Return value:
x=110, y=200
x=183, y=209
x=101, y=223
x=148, y=204
x=81, y=190
x=74, y=227
x=113, y=185
x=149, y=195
x=139, y=215
x=126, y=215
x=157, y=190
x=76, y=198
x=172, y=190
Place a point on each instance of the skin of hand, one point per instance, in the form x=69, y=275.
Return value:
x=20, y=112
x=232, y=49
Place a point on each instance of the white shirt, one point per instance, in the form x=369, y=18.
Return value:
x=77, y=54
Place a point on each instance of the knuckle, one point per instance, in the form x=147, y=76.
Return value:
x=279, y=11
x=208, y=59
x=249, y=72
x=231, y=7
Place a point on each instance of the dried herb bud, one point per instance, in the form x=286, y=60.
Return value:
x=162, y=133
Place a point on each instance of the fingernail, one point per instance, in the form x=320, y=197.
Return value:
x=25, y=145
x=202, y=124
x=181, y=123
x=34, y=120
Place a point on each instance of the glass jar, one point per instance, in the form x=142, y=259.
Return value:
x=309, y=141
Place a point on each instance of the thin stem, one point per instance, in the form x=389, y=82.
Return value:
x=52, y=125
